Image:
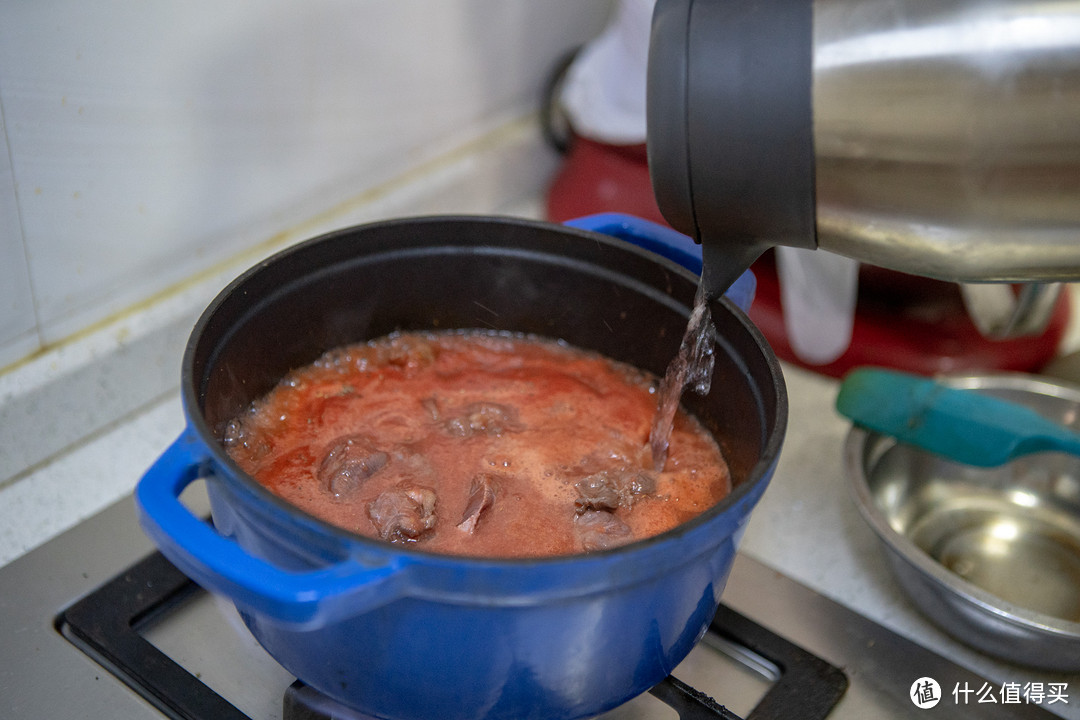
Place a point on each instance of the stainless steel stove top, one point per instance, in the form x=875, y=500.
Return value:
x=43, y=675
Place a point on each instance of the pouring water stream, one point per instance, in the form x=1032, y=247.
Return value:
x=691, y=367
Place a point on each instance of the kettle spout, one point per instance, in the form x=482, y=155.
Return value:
x=725, y=262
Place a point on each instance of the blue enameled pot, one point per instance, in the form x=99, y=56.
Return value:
x=399, y=633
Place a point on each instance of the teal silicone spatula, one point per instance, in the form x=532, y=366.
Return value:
x=961, y=425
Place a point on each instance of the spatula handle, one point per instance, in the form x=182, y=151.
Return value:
x=962, y=425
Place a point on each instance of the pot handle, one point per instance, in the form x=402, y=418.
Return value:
x=666, y=242
x=307, y=599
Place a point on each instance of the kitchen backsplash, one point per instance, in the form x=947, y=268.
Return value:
x=146, y=143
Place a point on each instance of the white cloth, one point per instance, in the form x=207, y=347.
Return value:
x=604, y=91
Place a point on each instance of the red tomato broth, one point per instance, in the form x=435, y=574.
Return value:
x=534, y=417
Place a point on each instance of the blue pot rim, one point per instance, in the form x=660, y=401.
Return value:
x=758, y=475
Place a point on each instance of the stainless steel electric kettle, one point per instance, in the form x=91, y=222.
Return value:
x=935, y=138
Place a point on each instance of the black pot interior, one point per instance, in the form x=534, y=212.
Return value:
x=495, y=273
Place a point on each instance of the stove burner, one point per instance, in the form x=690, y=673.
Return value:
x=106, y=624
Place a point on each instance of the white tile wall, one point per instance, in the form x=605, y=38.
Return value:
x=18, y=327
x=149, y=141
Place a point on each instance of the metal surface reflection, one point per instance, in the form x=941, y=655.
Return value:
x=946, y=138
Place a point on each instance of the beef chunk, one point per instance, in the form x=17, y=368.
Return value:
x=597, y=492
x=348, y=463
x=600, y=530
x=403, y=514
x=611, y=489
x=485, y=418
x=481, y=497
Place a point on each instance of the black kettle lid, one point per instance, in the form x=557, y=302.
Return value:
x=730, y=135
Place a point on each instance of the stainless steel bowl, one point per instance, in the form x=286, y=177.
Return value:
x=991, y=555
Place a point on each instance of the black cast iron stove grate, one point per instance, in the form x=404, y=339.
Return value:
x=105, y=624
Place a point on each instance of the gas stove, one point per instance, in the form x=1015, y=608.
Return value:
x=129, y=637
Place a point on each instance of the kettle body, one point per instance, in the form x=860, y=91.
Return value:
x=937, y=139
